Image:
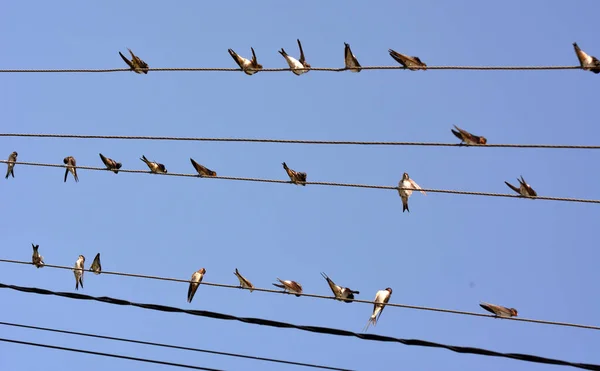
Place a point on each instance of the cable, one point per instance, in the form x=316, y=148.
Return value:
x=554, y=323
x=109, y=355
x=294, y=141
x=315, y=329
x=171, y=346
x=332, y=184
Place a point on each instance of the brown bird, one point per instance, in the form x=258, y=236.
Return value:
x=289, y=286
x=350, y=60
x=245, y=64
x=587, y=62
x=468, y=138
x=111, y=164
x=499, y=310
x=524, y=189
x=36, y=258
x=244, y=283
x=294, y=63
x=136, y=64
x=70, y=162
x=202, y=170
x=296, y=177
x=12, y=158
x=412, y=63
x=196, y=279
x=381, y=299
x=154, y=167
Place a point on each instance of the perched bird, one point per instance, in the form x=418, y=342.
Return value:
x=467, y=138
x=587, y=62
x=196, y=279
x=499, y=310
x=290, y=286
x=111, y=164
x=70, y=162
x=136, y=64
x=246, y=64
x=36, y=258
x=12, y=158
x=381, y=299
x=202, y=170
x=155, y=167
x=350, y=60
x=524, y=189
x=244, y=283
x=340, y=293
x=294, y=63
x=78, y=271
x=412, y=63
x=96, y=267
x=296, y=177
x=406, y=182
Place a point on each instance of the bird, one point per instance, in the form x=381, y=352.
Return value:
x=110, y=164
x=340, y=293
x=412, y=63
x=155, y=167
x=350, y=60
x=296, y=177
x=381, y=299
x=70, y=162
x=289, y=286
x=12, y=158
x=195, y=282
x=524, y=189
x=587, y=62
x=294, y=63
x=244, y=283
x=136, y=64
x=202, y=170
x=499, y=310
x=78, y=271
x=467, y=138
x=96, y=267
x=246, y=64
x=406, y=182
x=36, y=258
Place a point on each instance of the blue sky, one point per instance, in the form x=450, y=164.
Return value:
x=537, y=256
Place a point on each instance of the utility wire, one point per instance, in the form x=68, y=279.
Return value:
x=332, y=184
x=112, y=355
x=295, y=141
x=315, y=329
x=113, y=338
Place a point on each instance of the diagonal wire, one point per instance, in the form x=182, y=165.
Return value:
x=332, y=184
x=314, y=329
x=221, y=285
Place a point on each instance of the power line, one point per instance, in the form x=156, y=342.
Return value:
x=332, y=184
x=394, y=305
x=315, y=329
x=295, y=141
x=171, y=346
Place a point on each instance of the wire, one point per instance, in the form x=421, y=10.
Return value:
x=554, y=323
x=315, y=329
x=171, y=346
x=332, y=184
x=295, y=141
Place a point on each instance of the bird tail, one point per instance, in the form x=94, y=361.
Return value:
x=405, y=205
x=372, y=320
x=512, y=187
x=457, y=134
x=282, y=52
x=66, y=173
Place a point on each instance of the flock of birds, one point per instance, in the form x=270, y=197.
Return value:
x=341, y=293
x=300, y=66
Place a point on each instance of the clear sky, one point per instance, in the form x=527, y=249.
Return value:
x=450, y=251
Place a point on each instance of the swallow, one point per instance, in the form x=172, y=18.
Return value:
x=70, y=162
x=136, y=64
x=499, y=310
x=36, y=258
x=406, y=182
x=294, y=63
x=202, y=170
x=111, y=164
x=587, y=62
x=381, y=299
x=412, y=63
x=467, y=138
x=340, y=293
x=244, y=283
x=12, y=158
x=195, y=282
x=296, y=177
x=155, y=167
x=96, y=267
x=524, y=189
x=350, y=60
x=290, y=286
x=78, y=271
x=245, y=64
